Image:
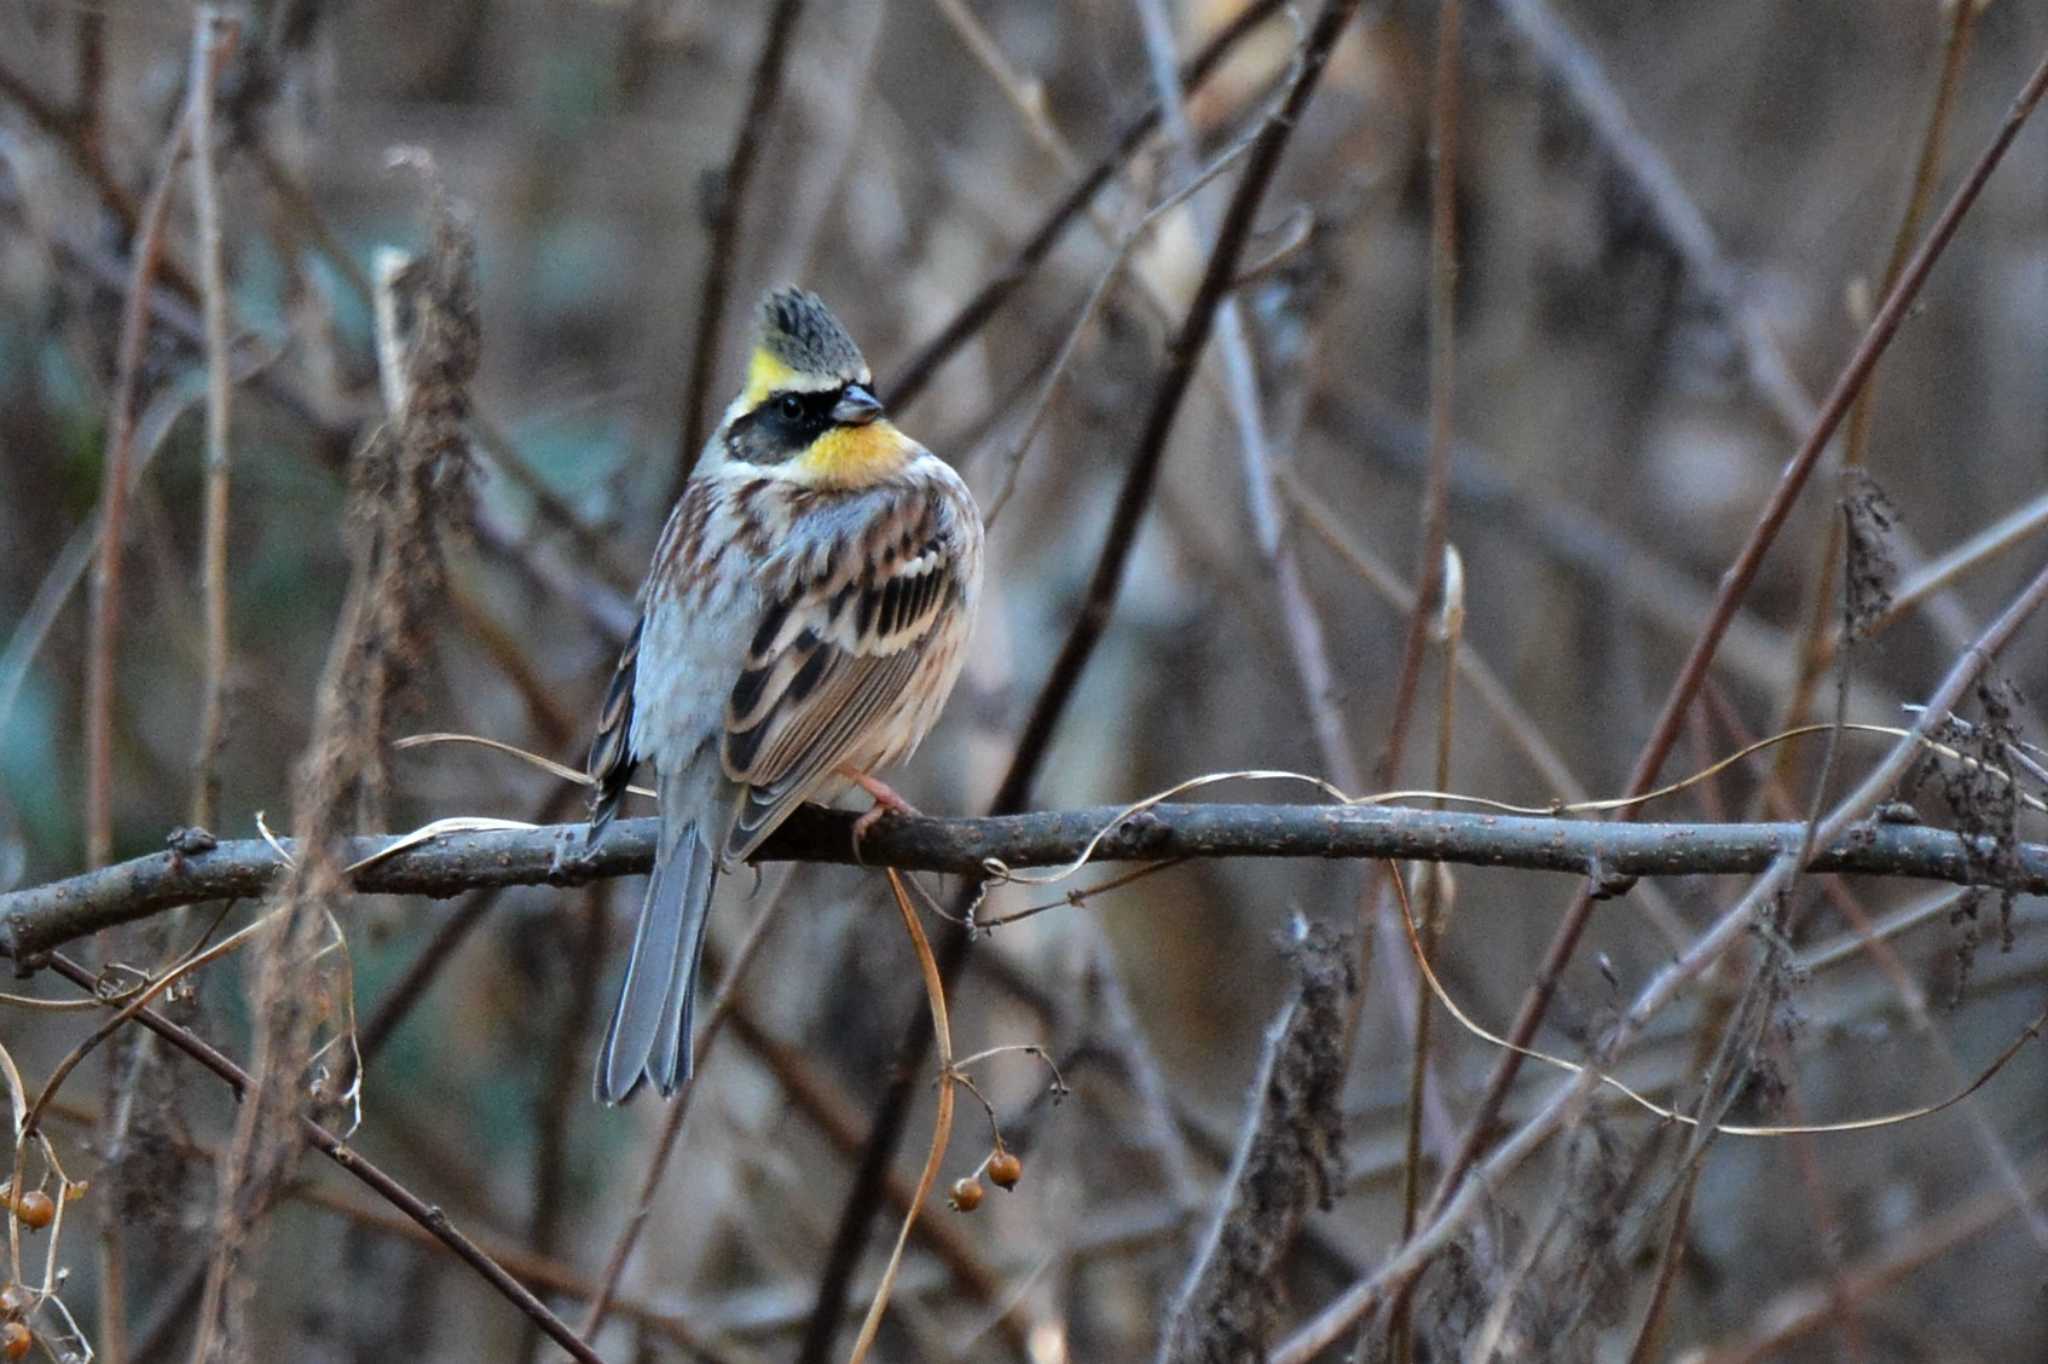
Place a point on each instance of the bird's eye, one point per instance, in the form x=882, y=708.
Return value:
x=791, y=407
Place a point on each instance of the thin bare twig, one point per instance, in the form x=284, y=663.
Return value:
x=335, y=1149
x=1817, y=651
x=1684, y=226
x=720, y=255
x=104, y=640
x=942, y=1119
x=1465, y=1195
x=1734, y=585
x=1443, y=351
x=1670, y=1254
x=1098, y=602
x=88, y=148
x=106, y=603
x=919, y=370
x=214, y=39
x=1436, y=890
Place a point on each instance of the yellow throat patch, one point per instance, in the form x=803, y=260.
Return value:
x=853, y=456
x=844, y=457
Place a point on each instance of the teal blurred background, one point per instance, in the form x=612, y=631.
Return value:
x=1618, y=445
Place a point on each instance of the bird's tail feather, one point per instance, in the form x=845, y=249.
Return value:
x=649, y=1035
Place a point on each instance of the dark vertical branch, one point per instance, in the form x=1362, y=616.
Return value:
x=725, y=229
x=865, y=1198
x=1734, y=586
x=552, y=1106
x=92, y=80
x=975, y=313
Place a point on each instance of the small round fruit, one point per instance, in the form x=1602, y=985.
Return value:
x=14, y=1301
x=1005, y=1169
x=35, y=1209
x=966, y=1195
x=15, y=1340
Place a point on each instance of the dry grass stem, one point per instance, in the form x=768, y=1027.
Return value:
x=942, y=1118
x=214, y=38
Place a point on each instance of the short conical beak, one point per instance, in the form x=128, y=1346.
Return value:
x=856, y=407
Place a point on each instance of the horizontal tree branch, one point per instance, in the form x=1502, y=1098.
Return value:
x=36, y=919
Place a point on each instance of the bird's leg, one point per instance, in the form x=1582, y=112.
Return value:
x=886, y=802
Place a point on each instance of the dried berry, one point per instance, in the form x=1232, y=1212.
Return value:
x=35, y=1209
x=15, y=1340
x=1004, y=1169
x=14, y=1301
x=966, y=1195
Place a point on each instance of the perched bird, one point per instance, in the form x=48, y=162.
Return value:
x=803, y=621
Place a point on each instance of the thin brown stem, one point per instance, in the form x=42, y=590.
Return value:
x=88, y=150
x=105, y=628
x=338, y=1151
x=974, y=314
x=721, y=254
x=214, y=38
x=104, y=640
x=1451, y=633
x=1443, y=352
x=1827, y=1231
x=1734, y=585
x=1670, y=1255
x=1454, y=1209
x=1817, y=649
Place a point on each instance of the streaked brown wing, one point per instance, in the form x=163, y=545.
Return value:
x=824, y=668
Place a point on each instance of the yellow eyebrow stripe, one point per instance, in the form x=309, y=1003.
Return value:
x=765, y=375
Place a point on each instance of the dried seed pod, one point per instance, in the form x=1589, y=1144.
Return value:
x=35, y=1209
x=1004, y=1169
x=16, y=1340
x=14, y=1301
x=966, y=1195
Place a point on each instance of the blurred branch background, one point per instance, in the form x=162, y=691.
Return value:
x=1672, y=225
